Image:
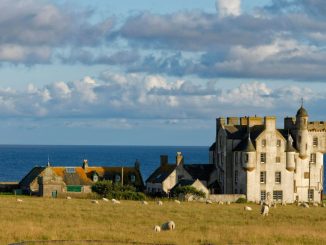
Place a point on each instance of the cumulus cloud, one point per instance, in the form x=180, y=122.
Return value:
x=139, y=96
x=228, y=8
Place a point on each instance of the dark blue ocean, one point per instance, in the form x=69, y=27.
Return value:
x=17, y=160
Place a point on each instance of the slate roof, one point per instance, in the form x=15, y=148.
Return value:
x=31, y=176
x=241, y=131
x=302, y=112
x=161, y=173
x=245, y=145
x=199, y=171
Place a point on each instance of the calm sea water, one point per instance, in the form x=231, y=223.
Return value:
x=17, y=160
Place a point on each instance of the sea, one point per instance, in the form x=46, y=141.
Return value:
x=17, y=160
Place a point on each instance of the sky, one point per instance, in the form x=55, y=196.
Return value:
x=151, y=72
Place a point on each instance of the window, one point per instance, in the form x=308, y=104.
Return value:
x=277, y=195
x=263, y=195
x=263, y=177
x=315, y=142
x=278, y=143
x=236, y=177
x=117, y=178
x=306, y=175
x=263, y=157
x=278, y=177
x=246, y=158
x=263, y=143
x=70, y=170
x=132, y=178
x=313, y=157
x=310, y=194
x=278, y=159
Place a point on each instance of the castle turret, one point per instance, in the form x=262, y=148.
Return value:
x=302, y=133
x=248, y=155
x=290, y=153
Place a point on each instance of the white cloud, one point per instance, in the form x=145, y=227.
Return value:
x=228, y=7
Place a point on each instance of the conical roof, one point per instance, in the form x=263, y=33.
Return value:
x=302, y=112
x=249, y=147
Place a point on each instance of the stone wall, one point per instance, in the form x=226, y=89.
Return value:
x=226, y=197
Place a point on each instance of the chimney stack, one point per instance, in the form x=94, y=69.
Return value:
x=179, y=158
x=85, y=164
x=164, y=160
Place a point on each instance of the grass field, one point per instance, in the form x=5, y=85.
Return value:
x=196, y=223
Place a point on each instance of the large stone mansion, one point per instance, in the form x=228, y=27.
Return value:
x=253, y=157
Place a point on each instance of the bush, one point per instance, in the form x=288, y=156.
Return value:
x=108, y=189
x=241, y=200
x=184, y=190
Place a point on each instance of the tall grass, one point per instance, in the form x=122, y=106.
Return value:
x=196, y=223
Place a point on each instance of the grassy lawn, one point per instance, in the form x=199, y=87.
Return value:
x=196, y=223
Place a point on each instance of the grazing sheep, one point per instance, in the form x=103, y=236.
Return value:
x=228, y=203
x=114, y=201
x=305, y=205
x=95, y=201
x=220, y=203
x=19, y=200
x=157, y=228
x=144, y=203
x=68, y=198
x=105, y=199
x=315, y=204
x=246, y=208
x=264, y=210
x=168, y=226
x=160, y=203
x=323, y=205
x=209, y=201
x=177, y=201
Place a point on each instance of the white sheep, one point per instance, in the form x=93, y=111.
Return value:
x=160, y=203
x=228, y=203
x=315, y=204
x=220, y=202
x=105, y=199
x=323, y=205
x=144, y=203
x=264, y=210
x=19, y=200
x=157, y=228
x=177, y=201
x=114, y=201
x=305, y=205
x=68, y=198
x=246, y=208
x=95, y=201
x=168, y=226
x=208, y=201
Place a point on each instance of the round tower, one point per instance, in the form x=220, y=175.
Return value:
x=302, y=136
x=249, y=156
x=290, y=153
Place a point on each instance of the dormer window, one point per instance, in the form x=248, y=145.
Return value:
x=117, y=178
x=95, y=177
x=132, y=178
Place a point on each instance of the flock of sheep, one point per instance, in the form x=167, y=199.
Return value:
x=170, y=225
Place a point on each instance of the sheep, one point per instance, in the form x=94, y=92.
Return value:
x=68, y=198
x=246, y=208
x=228, y=203
x=168, y=226
x=105, y=199
x=160, y=203
x=323, y=205
x=19, y=200
x=95, y=201
x=177, y=201
x=283, y=203
x=144, y=203
x=208, y=201
x=315, y=204
x=305, y=205
x=157, y=228
x=264, y=210
x=220, y=202
x=114, y=201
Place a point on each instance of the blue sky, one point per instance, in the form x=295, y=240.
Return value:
x=151, y=72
